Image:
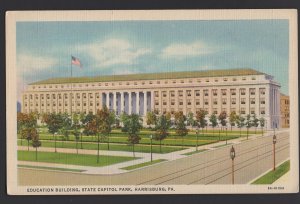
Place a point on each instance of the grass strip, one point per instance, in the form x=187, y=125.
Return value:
x=72, y=159
x=50, y=168
x=195, y=152
x=136, y=166
x=272, y=176
x=222, y=145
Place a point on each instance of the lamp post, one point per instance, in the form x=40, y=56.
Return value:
x=197, y=132
x=55, y=134
x=81, y=131
x=226, y=135
x=151, y=137
x=274, y=142
x=232, y=156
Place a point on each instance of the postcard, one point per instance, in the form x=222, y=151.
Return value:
x=152, y=102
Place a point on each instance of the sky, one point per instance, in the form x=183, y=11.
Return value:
x=44, y=49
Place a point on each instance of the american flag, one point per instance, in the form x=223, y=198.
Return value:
x=76, y=61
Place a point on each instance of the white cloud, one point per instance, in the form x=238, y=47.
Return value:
x=34, y=63
x=183, y=50
x=114, y=52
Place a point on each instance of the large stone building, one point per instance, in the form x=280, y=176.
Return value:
x=245, y=91
x=285, y=110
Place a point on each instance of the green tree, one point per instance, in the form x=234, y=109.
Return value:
x=161, y=129
x=180, y=126
x=240, y=123
x=214, y=122
x=85, y=119
x=151, y=118
x=54, y=123
x=35, y=142
x=262, y=125
x=111, y=121
x=232, y=119
x=222, y=118
x=27, y=123
x=66, y=126
x=190, y=119
x=133, y=125
x=255, y=122
x=123, y=119
x=76, y=128
x=248, y=124
x=200, y=118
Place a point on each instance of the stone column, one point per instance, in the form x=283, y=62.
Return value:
x=129, y=103
x=115, y=101
x=107, y=100
x=152, y=100
x=145, y=103
x=122, y=101
x=137, y=104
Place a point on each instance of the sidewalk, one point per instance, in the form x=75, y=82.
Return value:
x=143, y=157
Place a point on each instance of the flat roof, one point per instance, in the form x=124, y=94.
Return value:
x=152, y=76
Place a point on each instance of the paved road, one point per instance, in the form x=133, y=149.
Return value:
x=253, y=157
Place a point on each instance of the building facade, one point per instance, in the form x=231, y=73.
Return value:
x=245, y=91
x=285, y=110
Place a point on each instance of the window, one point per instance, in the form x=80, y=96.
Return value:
x=233, y=79
x=91, y=104
x=84, y=95
x=174, y=82
x=244, y=78
x=150, y=82
x=215, y=101
x=215, y=92
x=59, y=96
x=225, y=79
x=197, y=92
x=42, y=96
x=243, y=91
x=164, y=93
x=30, y=97
x=97, y=95
x=106, y=84
x=189, y=93
x=252, y=91
x=66, y=96
x=182, y=81
x=243, y=111
x=91, y=95
x=156, y=103
x=262, y=101
x=172, y=93
x=223, y=92
x=86, y=84
x=233, y=92
x=262, y=91
x=216, y=80
x=252, y=111
x=253, y=78
x=173, y=102
x=78, y=96
x=48, y=96
x=180, y=93
x=164, y=103
x=205, y=92
x=262, y=111
x=197, y=102
x=252, y=100
x=66, y=104
x=156, y=93
x=215, y=111
x=53, y=96
x=224, y=101
x=189, y=102
x=180, y=102
x=190, y=81
x=25, y=96
x=199, y=80
x=84, y=104
x=233, y=101
x=243, y=101
x=206, y=101
x=59, y=104
x=206, y=80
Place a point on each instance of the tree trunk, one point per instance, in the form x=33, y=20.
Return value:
x=231, y=128
x=98, y=149
x=160, y=146
x=262, y=131
x=247, y=133
x=21, y=141
x=108, y=142
x=240, y=132
x=133, y=150
x=182, y=143
x=255, y=130
x=76, y=145
x=27, y=145
x=36, y=153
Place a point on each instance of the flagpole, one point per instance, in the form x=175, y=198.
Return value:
x=71, y=90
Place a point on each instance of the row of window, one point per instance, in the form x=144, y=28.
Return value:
x=215, y=111
x=215, y=102
x=214, y=92
x=142, y=82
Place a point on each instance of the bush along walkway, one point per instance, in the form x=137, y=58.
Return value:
x=121, y=166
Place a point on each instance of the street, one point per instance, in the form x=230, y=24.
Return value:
x=253, y=158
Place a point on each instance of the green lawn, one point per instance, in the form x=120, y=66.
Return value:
x=143, y=164
x=51, y=168
x=73, y=159
x=272, y=176
x=113, y=147
x=195, y=152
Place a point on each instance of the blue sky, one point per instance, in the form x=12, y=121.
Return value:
x=44, y=49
